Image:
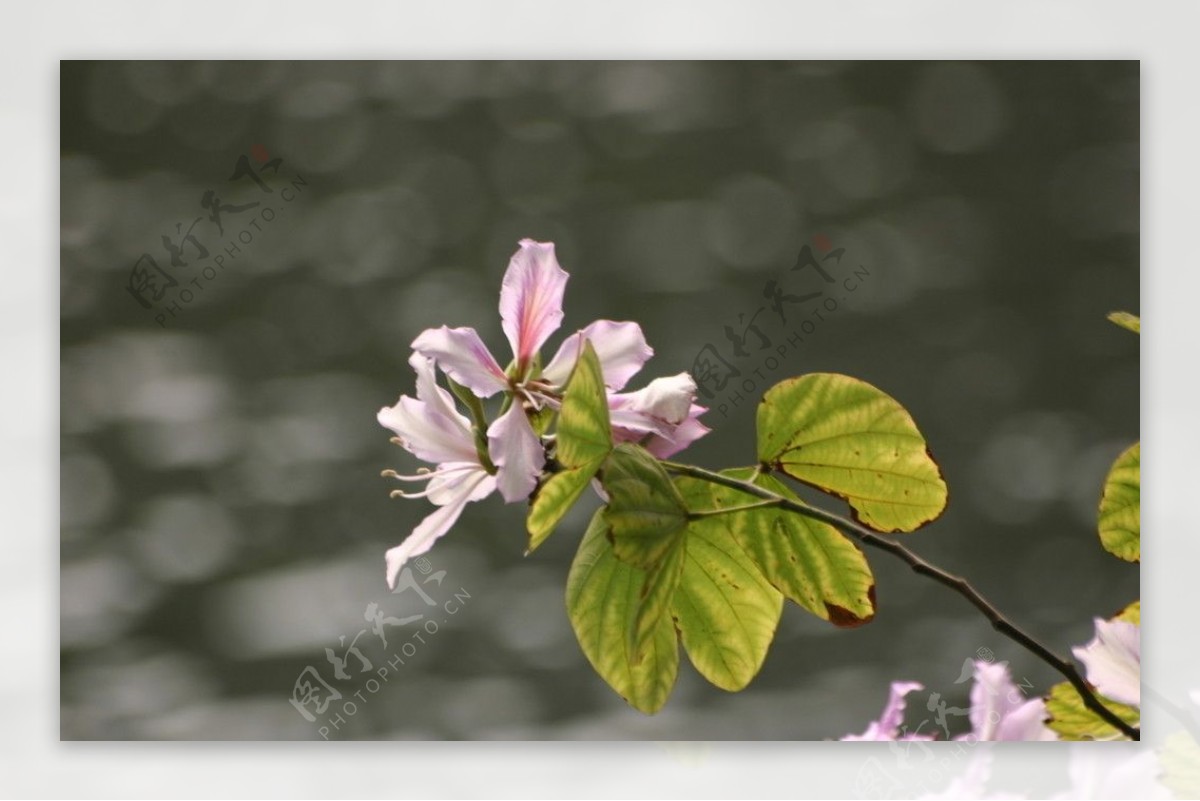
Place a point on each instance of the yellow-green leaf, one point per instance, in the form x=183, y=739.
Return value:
x=553, y=499
x=810, y=562
x=647, y=518
x=1131, y=613
x=583, y=440
x=726, y=612
x=1121, y=506
x=603, y=594
x=1074, y=721
x=1127, y=321
x=645, y=510
x=846, y=437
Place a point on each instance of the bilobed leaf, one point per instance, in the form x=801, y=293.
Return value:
x=726, y=612
x=645, y=510
x=844, y=436
x=1074, y=721
x=1127, y=321
x=603, y=594
x=583, y=440
x=810, y=562
x=647, y=518
x=1121, y=506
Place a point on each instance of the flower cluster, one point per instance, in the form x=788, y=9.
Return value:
x=998, y=710
x=473, y=457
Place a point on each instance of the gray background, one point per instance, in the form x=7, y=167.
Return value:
x=222, y=517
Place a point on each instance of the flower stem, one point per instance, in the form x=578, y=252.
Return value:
x=478, y=420
x=960, y=585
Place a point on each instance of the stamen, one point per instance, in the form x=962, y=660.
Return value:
x=423, y=474
x=403, y=494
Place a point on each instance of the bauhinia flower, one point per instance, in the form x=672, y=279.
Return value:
x=999, y=711
x=531, y=299
x=1113, y=660
x=431, y=428
x=890, y=722
x=473, y=458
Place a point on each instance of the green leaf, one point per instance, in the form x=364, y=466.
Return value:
x=726, y=612
x=1180, y=761
x=647, y=519
x=1074, y=721
x=645, y=510
x=810, y=562
x=583, y=440
x=654, y=600
x=846, y=437
x=553, y=500
x=541, y=419
x=584, y=435
x=1127, y=321
x=1121, y=506
x=1131, y=613
x=603, y=594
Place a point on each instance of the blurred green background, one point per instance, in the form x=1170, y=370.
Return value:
x=223, y=518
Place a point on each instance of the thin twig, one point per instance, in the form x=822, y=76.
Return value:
x=731, y=509
x=924, y=568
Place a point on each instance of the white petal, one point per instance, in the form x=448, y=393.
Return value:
x=428, y=434
x=684, y=434
x=462, y=355
x=516, y=452
x=668, y=399
x=435, y=525
x=446, y=483
x=637, y=424
x=531, y=298
x=1026, y=723
x=620, y=347
x=439, y=399
x=993, y=697
x=1114, y=661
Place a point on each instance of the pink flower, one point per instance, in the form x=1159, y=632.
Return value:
x=530, y=311
x=1114, y=660
x=1000, y=712
x=432, y=429
x=470, y=464
x=663, y=415
x=890, y=721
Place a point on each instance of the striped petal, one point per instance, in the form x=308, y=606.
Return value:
x=531, y=298
x=620, y=347
x=430, y=428
x=462, y=355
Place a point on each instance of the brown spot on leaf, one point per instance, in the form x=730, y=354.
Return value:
x=844, y=618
